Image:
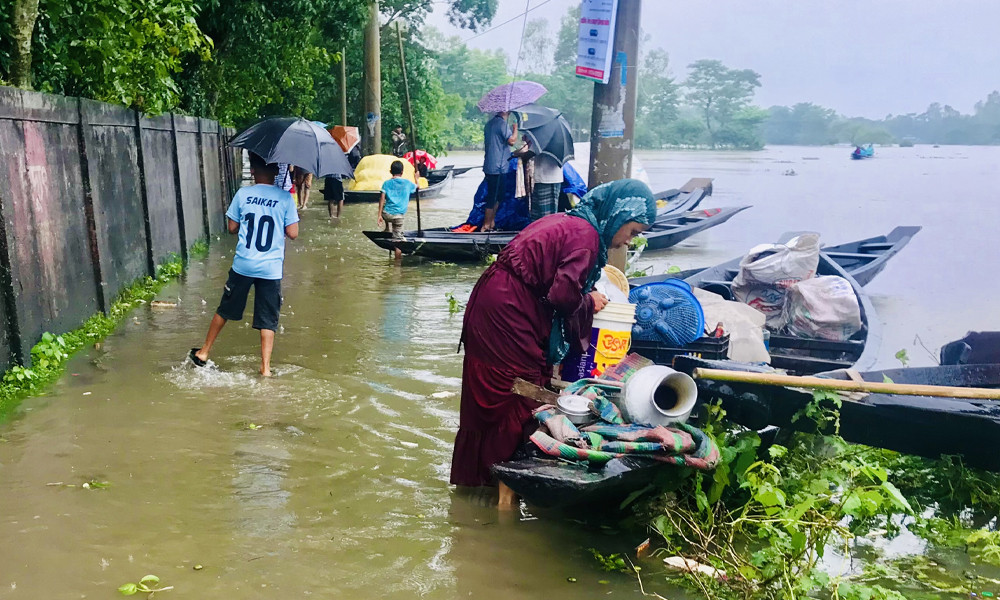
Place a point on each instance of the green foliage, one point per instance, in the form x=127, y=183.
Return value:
x=455, y=306
x=199, y=249
x=768, y=520
x=804, y=124
x=50, y=354
x=147, y=585
x=125, y=52
x=614, y=563
x=902, y=357
x=657, y=104
x=721, y=95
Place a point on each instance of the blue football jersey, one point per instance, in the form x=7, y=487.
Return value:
x=262, y=211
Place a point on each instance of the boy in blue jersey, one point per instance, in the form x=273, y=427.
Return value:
x=394, y=201
x=263, y=215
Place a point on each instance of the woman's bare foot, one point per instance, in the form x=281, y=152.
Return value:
x=507, y=499
x=265, y=372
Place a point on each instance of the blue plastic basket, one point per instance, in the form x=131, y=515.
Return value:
x=667, y=312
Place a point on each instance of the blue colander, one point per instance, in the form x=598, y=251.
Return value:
x=667, y=312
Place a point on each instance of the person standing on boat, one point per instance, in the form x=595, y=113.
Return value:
x=398, y=141
x=545, y=178
x=498, y=139
x=526, y=311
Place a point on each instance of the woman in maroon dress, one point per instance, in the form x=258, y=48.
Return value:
x=524, y=313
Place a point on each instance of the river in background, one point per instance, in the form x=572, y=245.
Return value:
x=330, y=480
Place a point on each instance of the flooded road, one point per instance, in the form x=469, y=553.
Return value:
x=330, y=480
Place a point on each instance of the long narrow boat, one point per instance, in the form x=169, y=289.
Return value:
x=669, y=232
x=918, y=425
x=455, y=171
x=435, y=187
x=444, y=244
x=441, y=243
x=863, y=259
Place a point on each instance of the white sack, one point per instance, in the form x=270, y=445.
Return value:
x=768, y=270
x=744, y=325
x=823, y=307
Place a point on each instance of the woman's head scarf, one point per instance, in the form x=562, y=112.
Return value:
x=607, y=208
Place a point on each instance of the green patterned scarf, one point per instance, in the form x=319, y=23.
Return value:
x=606, y=208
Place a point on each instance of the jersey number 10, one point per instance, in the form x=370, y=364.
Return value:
x=266, y=224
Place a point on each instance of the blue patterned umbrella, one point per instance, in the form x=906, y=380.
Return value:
x=507, y=97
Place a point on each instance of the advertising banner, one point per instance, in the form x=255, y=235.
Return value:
x=596, y=39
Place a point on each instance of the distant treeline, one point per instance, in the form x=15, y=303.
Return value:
x=812, y=125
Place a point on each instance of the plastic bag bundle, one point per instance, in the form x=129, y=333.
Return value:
x=768, y=270
x=823, y=307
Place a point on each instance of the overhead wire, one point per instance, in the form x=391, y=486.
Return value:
x=510, y=20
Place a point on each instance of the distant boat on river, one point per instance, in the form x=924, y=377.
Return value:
x=863, y=152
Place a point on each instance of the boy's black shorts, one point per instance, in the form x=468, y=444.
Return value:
x=266, y=300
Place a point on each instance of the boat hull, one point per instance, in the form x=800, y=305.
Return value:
x=433, y=190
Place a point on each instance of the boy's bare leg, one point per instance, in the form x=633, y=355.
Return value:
x=340, y=207
x=213, y=332
x=266, y=345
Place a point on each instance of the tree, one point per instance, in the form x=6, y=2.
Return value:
x=719, y=93
x=657, y=102
x=122, y=51
x=803, y=124
x=25, y=14
x=536, y=48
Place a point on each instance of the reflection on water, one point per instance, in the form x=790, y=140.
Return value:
x=342, y=489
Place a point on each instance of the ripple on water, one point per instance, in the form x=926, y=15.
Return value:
x=188, y=377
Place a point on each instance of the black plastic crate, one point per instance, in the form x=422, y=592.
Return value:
x=709, y=348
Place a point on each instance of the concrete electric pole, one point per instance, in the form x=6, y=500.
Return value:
x=371, y=130
x=612, y=124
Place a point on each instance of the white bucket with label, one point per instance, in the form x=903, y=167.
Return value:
x=610, y=340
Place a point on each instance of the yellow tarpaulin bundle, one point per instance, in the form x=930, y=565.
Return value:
x=373, y=170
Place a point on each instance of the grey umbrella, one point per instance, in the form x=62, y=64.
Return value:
x=549, y=133
x=295, y=141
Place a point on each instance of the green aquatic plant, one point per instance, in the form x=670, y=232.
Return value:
x=144, y=586
x=903, y=357
x=766, y=518
x=455, y=306
x=199, y=249
x=50, y=354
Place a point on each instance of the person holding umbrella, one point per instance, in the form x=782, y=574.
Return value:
x=263, y=215
x=498, y=139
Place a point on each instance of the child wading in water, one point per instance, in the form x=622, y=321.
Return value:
x=263, y=214
x=394, y=201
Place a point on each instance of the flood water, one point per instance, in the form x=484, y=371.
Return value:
x=330, y=480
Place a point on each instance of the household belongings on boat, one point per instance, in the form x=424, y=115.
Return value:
x=611, y=454
x=832, y=342
x=373, y=171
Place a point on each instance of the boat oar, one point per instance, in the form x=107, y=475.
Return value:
x=871, y=387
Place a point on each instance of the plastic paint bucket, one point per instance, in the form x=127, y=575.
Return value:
x=610, y=340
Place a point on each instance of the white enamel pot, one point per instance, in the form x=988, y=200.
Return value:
x=658, y=395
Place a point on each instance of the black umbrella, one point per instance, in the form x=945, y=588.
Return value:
x=296, y=141
x=552, y=137
x=535, y=115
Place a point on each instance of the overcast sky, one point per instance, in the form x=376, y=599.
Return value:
x=860, y=57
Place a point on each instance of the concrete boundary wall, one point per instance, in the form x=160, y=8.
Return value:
x=92, y=197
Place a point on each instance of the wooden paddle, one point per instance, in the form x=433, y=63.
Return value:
x=871, y=387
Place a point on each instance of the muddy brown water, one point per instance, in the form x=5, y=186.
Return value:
x=339, y=487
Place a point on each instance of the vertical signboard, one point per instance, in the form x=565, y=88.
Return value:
x=596, y=39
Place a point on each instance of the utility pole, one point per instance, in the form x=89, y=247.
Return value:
x=371, y=131
x=343, y=86
x=612, y=124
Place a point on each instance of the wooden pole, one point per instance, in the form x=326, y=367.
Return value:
x=612, y=122
x=373, y=82
x=871, y=387
x=343, y=87
x=413, y=128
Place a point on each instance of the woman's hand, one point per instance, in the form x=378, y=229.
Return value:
x=599, y=299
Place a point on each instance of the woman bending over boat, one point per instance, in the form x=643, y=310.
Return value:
x=526, y=310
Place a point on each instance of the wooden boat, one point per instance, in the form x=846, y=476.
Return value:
x=863, y=259
x=455, y=171
x=918, y=425
x=550, y=483
x=435, y=187
x=441, y=243
x=670, y=230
